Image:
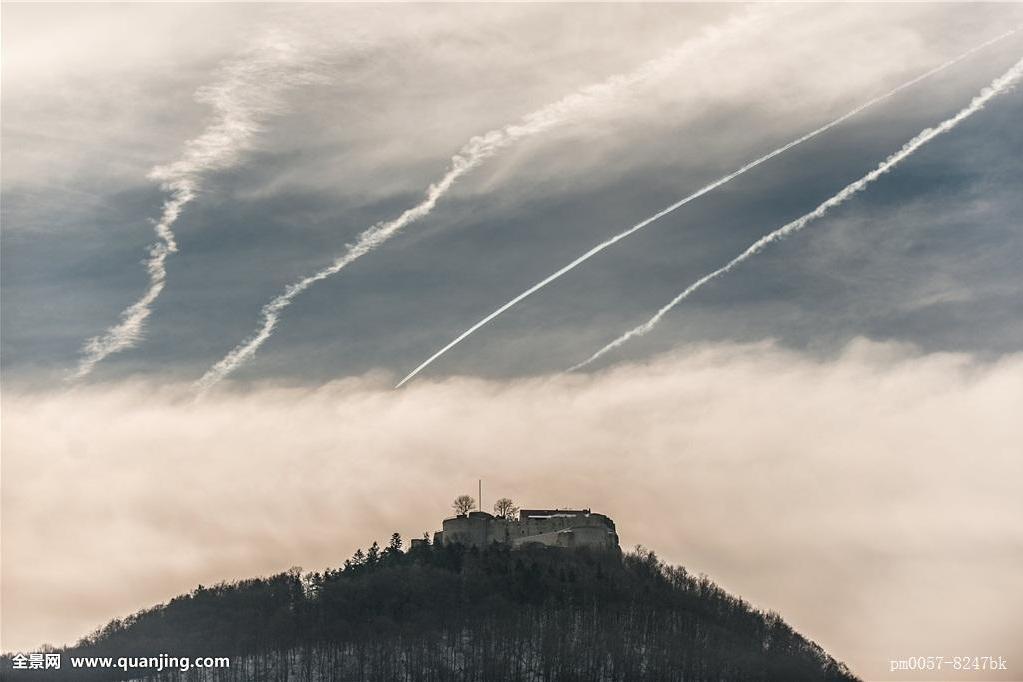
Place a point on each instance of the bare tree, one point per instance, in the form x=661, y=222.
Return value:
x=463, y=504
x=504, y=508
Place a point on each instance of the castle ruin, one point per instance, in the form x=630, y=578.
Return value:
x=549, y=527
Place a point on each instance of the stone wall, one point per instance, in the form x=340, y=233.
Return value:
x=555, y=528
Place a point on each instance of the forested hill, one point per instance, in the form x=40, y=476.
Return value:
x=450, y=613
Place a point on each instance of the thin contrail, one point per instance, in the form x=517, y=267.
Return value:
x=477, y=150
x=248, y=91
x=695, y=195
x=997, y=87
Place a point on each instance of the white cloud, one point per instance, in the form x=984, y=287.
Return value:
x=862, y=497
x=101, y=93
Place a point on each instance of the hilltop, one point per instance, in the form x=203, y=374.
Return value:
x=451, y=612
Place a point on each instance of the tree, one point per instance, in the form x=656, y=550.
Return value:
x=504, y=508
x=463, y=504
x=393, y=546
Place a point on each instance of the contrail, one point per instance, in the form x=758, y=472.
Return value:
x=695, y=195
x=477, y=150
x=997, y=87
x=249, y=90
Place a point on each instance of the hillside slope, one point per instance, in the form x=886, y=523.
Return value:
x=448, y=613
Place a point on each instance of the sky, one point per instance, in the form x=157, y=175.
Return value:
x=827, y=430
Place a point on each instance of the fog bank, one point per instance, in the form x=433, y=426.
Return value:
x=872, y=499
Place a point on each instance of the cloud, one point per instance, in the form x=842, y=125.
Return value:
x=115, y=82
x=408, y=85
x=1000, y=85
x=862, y=496
x=480, y=148
x=248, y=91
x=593, y=251
x=788, y=83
